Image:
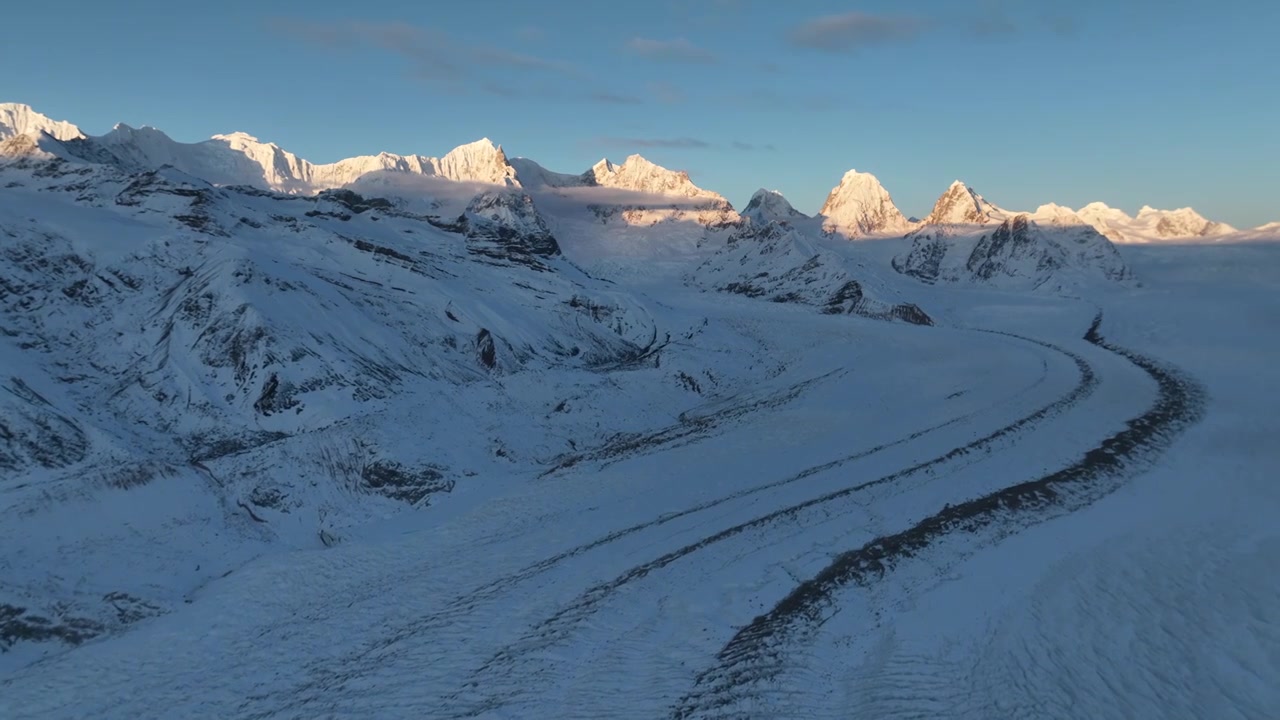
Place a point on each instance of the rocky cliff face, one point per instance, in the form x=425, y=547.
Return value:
x=775, y=262
x=1018, y=253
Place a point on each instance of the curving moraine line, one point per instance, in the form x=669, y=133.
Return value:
x=464, y=703
x=759, y=652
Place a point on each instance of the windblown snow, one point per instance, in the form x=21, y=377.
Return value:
x=461, y=436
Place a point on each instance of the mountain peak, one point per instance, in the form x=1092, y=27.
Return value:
x=642, y=175
x=19, y=119
x=1180, y=223
x=768, y=206
x=479, y=161
x=238, y=135
x=962, y=205
x=860, y=205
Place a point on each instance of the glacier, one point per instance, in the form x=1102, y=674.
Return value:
x=404, y=436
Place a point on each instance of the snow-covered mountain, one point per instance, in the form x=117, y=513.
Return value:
x=967, y=239
x=17, y=119
x=1152, y=225
x=777, y=262
x=391, y=449
x=621, y=213
x=768, y=206
x=270, y=369
x=1019, y=253
x=961, y=205
x=859, y=206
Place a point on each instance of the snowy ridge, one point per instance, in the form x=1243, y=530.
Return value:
x=18, y=119
x=241, y=159
x=1152, y=225
x=860, y=206
x=775, y=262
x=1023, y=252
x=252, y=330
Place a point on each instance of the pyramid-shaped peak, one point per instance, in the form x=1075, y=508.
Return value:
x=962, y=205
x=768, y=206
x=479, y=161
x=764, y=196
x=860, y=205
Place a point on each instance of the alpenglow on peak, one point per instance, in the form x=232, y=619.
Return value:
x=860, y=206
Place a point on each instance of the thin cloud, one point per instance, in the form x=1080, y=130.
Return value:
x=611, y=98
x=751, y=147
x=457, y=67
x=666, y=93
x=678, y=50
x=506, y=58
x=686, y=143
x=431, y=54
x=850, y=31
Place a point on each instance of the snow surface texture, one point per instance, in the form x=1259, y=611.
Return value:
x=366, y=454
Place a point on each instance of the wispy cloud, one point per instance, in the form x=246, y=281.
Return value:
x=850, y=31
x=751, y=147
x=678, y=50
x=666, y=93
x=456, y=66
x=687, y=143
x=609, y=97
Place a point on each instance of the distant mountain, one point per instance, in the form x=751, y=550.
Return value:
x=1019, y=253
x=16, y=119
x=961, y=205
x=1152, y=225
x=965, y=240
x=860, y=206
x=774, y=261
x=768, y=206
x=623, y=212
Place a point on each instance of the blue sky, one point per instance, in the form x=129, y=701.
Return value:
x=1167, y=103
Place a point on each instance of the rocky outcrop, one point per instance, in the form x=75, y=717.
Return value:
x=777, y=263
x=1019, y=253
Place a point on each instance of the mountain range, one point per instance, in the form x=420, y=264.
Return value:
x=228, y=374
x=643, y=194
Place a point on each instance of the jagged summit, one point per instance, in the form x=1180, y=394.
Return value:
x=19, y=119
x=860, y=206
x=1181, y=223
x=479, y=161
x=1151, y=223
x=639, y=174
x=961, y=205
